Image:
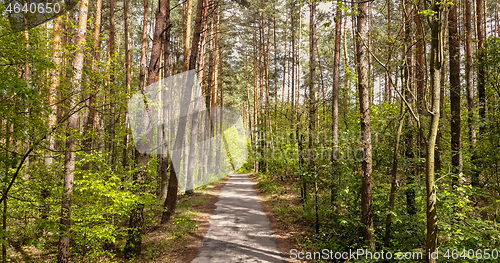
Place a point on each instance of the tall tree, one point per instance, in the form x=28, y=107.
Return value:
x=165, y=161
x=128, y=73
x=186, y=22
x=469, y=76
x=394, y=180
x=90, y=121
x=195, y=119
x=364, y=108
x=133, y=246
x=420, y=75
x=54, y=84
x=336, y=86
x=456, y=126
x=312, y=80
x=69, y=163
x=406, y=75
x=111, y=82
x=312, y=100
x=218, y=84
x=481, y=88
x=171, y=200
x=388, y=93
x=436, y=64
x=144, y=46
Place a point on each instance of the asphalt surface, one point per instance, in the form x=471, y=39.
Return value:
x=239, y=229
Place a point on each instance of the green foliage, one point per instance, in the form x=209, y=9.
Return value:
x=103, y=201
x=185, y=225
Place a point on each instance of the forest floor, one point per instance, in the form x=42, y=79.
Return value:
x=177, y=241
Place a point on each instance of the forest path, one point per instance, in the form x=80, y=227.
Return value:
x=239, y=229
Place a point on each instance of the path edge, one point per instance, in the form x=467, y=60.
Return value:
x=286, y=242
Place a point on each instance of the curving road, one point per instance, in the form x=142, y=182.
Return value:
x=239, y=229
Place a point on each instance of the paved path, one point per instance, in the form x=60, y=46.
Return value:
x=239, y=229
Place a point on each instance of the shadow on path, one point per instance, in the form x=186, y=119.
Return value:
x=239, y=229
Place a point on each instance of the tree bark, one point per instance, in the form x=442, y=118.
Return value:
x=90, y=121
x=456, y=126
x=388, y=90
x=335, y=94
x=144, y=46
x=217, y=87
x=165, y=161
x=394, y=181
x=111, y=83
x=128, y=78
x=364, y=108
x=346, y=65
x=469, y=75
x=54, y=84
x=312, y=103
x=171, y=200
x=420, y=79
x=436, y=62
x=186, y=23
x=336, y=82
x=69, y=163
x=407, y=89
x=133, y=246
x=312, y=80
x=481, y=88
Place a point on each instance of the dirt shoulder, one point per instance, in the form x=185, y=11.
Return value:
x=285, y=231
x=177, y=241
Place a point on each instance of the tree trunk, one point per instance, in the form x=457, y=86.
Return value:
x=144, y=46
x=285, y=64
x=111, y=83
x=203, y=56
x=54, y=84
x=407, y=89
x=346, y=65
x=276, y=73
x=312, y=103
x=128, y=77
x=420, y=80
x=193, y=137
x=133, y=246
x=481, y=88
x=436, y=63
x=364, y=108
x=4, y=192
x=186, y=23
x=456, y=138
x=335, y=95
x=90, y=121
x=292, y=68
x=165, y=161
x=469, y=75
x=217, y=84
x=394, y=181
x=171, y=200
x=312, y=88
x=255, y=107
x=69, y=163
x=300, y=136
x=388, y=89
